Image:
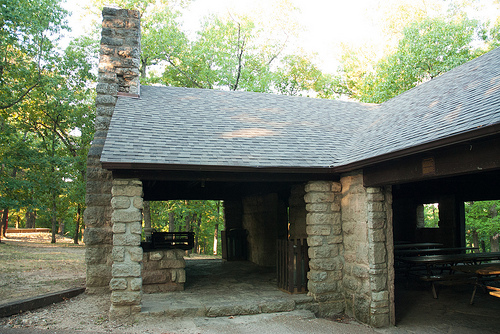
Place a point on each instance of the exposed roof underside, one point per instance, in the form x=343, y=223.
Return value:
x=171, y=127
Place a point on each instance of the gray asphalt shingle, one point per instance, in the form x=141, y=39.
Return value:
x=169, y=125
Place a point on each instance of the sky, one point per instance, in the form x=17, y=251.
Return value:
x=325, y=23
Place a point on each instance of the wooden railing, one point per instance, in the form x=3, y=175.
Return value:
x=293, y=265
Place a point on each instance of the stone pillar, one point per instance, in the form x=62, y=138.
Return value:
x=126, y=284
x=118, y=72
x=380, y=256
x=324, y=238
x=368, y=251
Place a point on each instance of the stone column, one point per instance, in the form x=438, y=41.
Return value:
x=380, y=256
x=126, y=284
x=324, y=238
x=368, y=265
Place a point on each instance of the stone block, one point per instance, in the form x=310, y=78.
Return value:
x=155, y=256
x=319, y=197
x=378, y=283
x=375, y=197
x=126, y=239
x=322, y=287
x=335, y=207
x=378, y=253
x=317, y=276
x=131, y=269
x=379, y=320
x=180, y=276
x=376, y=235
x=135, y=284
x=105, y=100
x=315, y=240
x=135, y=253
x=317, y=207
x=334, y=239
x=336, y=187
x=138, y=203
x=325, y=251
x=319, y=218
x=326, y=264
x=172, y=264
x=331, y=309
x=126, y=216
x=329, y=297
x=323, y=186
x=118, y=284
x=373, y=190
x=119, y=228
x=378, y=223
x=97, y=236
x=98, y=275
x=312, y=230
x=232, y=309
x=277, y=306
x=376, y=206
x=97, y=254
x=135, y=227
x=121, y=298
x=119, y=312
x=128, y=190
x=155, y=277
x=362, y=308
x=120, y=202
x=118, y=254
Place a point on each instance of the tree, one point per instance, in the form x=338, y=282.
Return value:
x=28, y=30
x=483, y=224
x=428, y=48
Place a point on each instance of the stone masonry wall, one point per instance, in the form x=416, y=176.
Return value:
x=297, y=213
x=324, y=230
x=118, y=72
x=265, y=219
x=163, y=271
x=368, y=255
x=126, y=284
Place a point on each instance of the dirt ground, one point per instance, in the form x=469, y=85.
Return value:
x=31, y=266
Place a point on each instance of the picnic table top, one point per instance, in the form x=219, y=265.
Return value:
x=451, y=258
x=418, y=245
x=428, y=251
x=481, y=269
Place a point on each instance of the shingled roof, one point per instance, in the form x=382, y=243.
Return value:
x=169, y=126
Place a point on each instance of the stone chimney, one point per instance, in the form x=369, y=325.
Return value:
x=118, y=76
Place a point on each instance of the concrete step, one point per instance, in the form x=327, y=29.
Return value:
x=179, y=304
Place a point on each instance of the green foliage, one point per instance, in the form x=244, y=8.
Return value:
x=431, y=215
x=483, y=219
x=427, y=49
x=199, y=217
x=28, y=30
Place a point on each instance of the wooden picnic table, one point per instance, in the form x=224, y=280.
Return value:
x=451, y=259
x=484, y=273
x=421, y=245
x=432, y=251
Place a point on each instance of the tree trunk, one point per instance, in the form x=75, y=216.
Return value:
x=146, y=212
x=171, y=222
x=30, y=219
x=77, y=228
x=494, y=246
x=475, y=240
x=216, y=235
x=4, y=222
x=54, y=219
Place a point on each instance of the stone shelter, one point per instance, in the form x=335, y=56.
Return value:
x=348, y=177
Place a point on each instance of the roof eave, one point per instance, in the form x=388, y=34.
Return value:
x=479, y=133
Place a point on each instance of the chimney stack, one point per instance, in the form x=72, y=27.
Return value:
x=118, y=75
